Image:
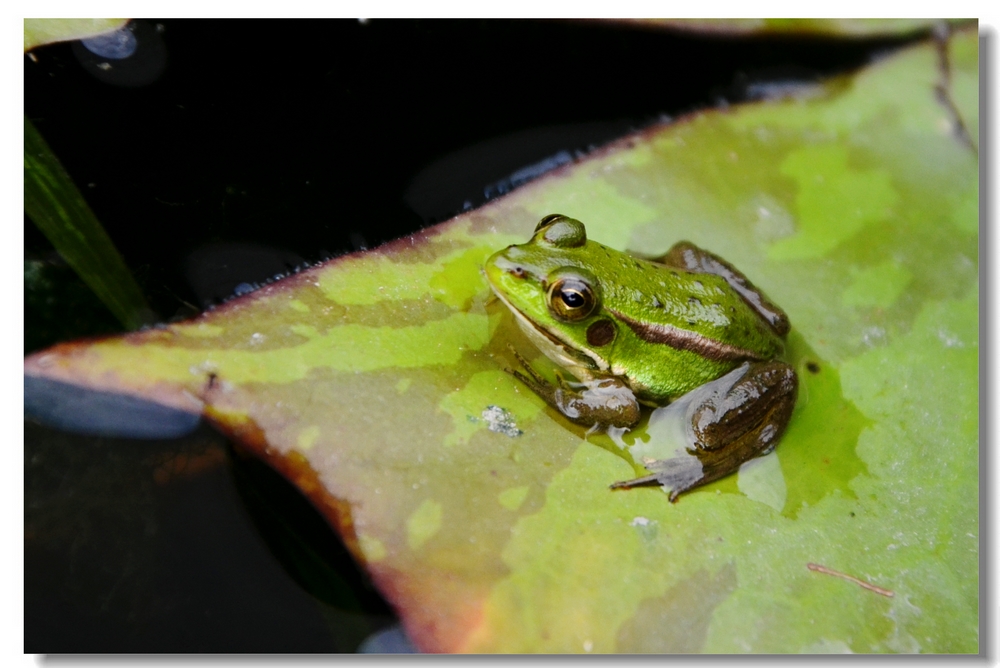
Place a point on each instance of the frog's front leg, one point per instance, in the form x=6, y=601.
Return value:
x=727, y=422
x=685, y=255
x=602, y=402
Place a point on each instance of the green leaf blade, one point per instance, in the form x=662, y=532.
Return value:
x=58, y=209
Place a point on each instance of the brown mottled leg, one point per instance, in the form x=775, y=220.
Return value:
x=731, y=421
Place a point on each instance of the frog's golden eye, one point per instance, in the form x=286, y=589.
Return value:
x=571, y=298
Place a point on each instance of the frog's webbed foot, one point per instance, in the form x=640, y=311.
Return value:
x=728, y=422
x=602, y=402
x=685, y=255
x=679, y=473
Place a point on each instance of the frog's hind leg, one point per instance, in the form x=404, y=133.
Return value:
x=728, y=422
x=685, y=255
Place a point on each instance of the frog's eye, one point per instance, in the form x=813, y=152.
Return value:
x=572, y=298
x=562, y=231
x=548, y=220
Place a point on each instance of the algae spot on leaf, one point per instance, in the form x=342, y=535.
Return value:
x=879, y=286
x=363, y=280
x=512, y=498
x=936, y=441
x=373, y=549
x=298, y=305
x=461, y=279
x=424, y=523
x=965, y=214
x=571, y=549
x=668, y=624
x=307, y=437
x=834, y=201
x=819, y=450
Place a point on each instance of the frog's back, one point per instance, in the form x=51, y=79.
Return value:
x=687, y=327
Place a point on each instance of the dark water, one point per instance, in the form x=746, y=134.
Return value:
x=223, y=152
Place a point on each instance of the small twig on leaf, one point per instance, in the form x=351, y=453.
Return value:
x=860, y=583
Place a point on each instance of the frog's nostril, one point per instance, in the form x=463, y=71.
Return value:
x=517, y=272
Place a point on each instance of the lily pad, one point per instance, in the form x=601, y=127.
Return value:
x=854, y=27
x=375, y=382
x=46, y=31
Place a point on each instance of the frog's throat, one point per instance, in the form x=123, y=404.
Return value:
x=557, y=350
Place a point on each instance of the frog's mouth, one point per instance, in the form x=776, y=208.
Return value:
x=553, y=347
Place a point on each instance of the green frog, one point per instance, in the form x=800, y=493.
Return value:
x=686, y=329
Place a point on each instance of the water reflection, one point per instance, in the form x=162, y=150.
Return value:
x=115, y=45
x=133, y=56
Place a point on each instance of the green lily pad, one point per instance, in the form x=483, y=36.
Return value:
x=375, y=382
x=38, y=32
x=854, y=27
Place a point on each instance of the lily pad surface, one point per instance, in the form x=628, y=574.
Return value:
x=46, y=31
x=376, y=383
x=842, y=27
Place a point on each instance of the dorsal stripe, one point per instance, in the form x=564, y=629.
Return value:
x=684, y=340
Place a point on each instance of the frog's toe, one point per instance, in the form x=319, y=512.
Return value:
x=678, y=474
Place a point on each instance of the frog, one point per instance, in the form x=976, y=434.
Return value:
x=685, y=329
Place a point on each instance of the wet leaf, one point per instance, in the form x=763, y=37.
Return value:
x=853, y=27
x=375, y=382
x=46, y=31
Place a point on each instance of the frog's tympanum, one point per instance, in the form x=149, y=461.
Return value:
x=685, y=328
